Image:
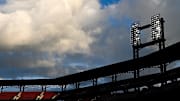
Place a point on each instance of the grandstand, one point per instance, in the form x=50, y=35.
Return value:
x=109, y=89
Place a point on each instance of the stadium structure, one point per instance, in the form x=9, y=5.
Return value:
x=88, y=86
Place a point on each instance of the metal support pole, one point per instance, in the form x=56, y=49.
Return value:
x=45, y=88
x=42, y=88
x=2, y=89
x=163, y=42
x=136, y=71
x=136, y=56
x=20, y=88
x=114, y=78
x=63, y=87
x=77, y=84
x=95, y=82
x=23, y=88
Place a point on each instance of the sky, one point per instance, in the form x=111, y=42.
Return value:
x=53, y=38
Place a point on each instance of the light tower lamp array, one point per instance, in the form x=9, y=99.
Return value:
x=135, y=34
x=156, y=30
x=156, y=27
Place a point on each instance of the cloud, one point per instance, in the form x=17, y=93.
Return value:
x=113, y=44
x=142, y=10
x=44, y=25
x=40, y=33
x=60, y=37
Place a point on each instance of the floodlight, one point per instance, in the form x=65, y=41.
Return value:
x=156, y=27
x=135, y=32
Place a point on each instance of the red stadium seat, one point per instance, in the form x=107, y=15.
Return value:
x=18, y=96
x=7, y=95
x=24, y=96
x=40, y=96
x=29, y=95
x=49, y=95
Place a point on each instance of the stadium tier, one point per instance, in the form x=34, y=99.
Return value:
x=166, y=55
x=27, y=96
x=7, y=95
x=155, y=59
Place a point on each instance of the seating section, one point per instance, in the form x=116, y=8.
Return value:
x=29, y=95
x=7, y=96
x=24, y=96
x=49, y=95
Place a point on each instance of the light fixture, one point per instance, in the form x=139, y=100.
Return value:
x=135, y=34
x=156, y=27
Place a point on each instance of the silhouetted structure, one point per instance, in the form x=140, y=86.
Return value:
x=162, y=84
x=166, y=55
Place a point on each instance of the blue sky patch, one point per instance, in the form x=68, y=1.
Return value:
x=2, y=2
x=105, y=3
x=125, y=21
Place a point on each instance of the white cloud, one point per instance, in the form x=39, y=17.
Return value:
x=15, y=29
x=47, y=25
x=80, y=29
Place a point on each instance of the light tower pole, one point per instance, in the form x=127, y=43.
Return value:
x=135, y=41
x=157, y=36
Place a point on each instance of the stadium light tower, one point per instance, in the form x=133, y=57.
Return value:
x=157, y=35
x=156, y=27
x=135, y=34
x=135, y=41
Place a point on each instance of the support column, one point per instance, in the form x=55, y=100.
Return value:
x=95, y=82
x=136, y=56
